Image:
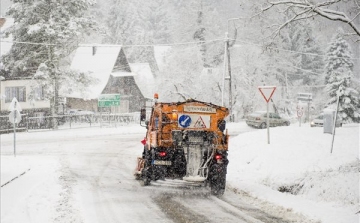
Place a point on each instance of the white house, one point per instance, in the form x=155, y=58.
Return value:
x=14, y=87
x=107, y=63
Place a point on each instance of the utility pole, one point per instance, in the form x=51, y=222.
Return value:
x=230, y=85
x=227, y=57
x=225, y=68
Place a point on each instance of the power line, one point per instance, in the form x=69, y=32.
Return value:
x=117, y=45
x=291, y=51
x=175, y=44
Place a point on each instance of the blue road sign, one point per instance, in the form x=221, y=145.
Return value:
x=184, y=121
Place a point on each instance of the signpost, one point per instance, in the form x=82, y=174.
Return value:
x=299, y=112
x=109, y=100
x=306, y=98
x=267, y=92
x=15, y=117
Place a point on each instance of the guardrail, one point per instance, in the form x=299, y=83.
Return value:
x=29, y=123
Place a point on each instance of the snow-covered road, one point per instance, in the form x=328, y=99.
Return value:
x=87, y=176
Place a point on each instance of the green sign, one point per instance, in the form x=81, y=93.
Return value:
x=109, y=100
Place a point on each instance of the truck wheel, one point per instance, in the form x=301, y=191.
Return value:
x=145, y=182
x=218, y=179
x=147, y=170
x=145, y=177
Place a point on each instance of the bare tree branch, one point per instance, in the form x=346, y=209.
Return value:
x=306, y=9
x=296, y=17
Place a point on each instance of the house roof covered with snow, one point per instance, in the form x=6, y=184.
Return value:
x=144, y=79
x=99, y=61
x=160, y=53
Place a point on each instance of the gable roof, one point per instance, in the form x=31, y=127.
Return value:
x=99, y=61
x=160, y=54
x=144, y=79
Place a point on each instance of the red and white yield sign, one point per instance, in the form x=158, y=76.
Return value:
x=267, y=92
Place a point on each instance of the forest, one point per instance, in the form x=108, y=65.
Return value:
x=215, y=51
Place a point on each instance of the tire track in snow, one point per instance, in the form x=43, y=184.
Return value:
x=65, y=211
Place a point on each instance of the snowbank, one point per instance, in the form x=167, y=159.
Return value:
x=297, y=163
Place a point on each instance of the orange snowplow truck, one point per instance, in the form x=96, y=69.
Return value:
x=185, y=140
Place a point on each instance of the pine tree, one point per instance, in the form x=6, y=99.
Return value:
x=121, y=22
x=45, y=32
x=338, y=74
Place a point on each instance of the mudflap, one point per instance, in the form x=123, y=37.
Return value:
x=178, y=169
x=217, y=178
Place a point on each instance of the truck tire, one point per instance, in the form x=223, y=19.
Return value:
x=217, y=179
x=146, y=172
x=145, y=178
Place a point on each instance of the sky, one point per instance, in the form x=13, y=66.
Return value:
x=296, y=157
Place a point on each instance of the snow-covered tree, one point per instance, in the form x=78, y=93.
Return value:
x=44, y=33
x=121, y=21
x=155, y=22
x=303, y=9
x=198, y=21
x=338, y=74
x=185, y=77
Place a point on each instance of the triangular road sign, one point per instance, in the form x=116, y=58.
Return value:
x=200, y=123
x=267, y=92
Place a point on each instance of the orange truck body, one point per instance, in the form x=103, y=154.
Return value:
x=181, y=116
x=185, y=140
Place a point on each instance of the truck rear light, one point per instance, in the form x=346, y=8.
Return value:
x=162, y=154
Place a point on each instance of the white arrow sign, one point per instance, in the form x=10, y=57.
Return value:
x=14, y=105
x=15, y=117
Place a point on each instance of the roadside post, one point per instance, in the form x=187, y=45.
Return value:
x=108, y=100
x=335, y=118
x=15, y=117
x=267, y=92
x=299, y=112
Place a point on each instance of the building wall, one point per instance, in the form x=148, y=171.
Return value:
x=43, y=104
x=76, y=103
x=131, y=99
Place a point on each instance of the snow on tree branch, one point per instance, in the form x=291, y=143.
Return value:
x=304, y=9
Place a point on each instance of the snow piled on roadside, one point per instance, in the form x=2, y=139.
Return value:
x=33, y=177
x=298, y=162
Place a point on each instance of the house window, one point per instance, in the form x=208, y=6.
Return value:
x=15, y=92
x=39, y=93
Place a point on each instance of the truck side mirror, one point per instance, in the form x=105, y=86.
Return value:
x=222, y=125
x=142, y=114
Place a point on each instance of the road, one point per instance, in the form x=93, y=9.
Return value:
x=95, y=172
